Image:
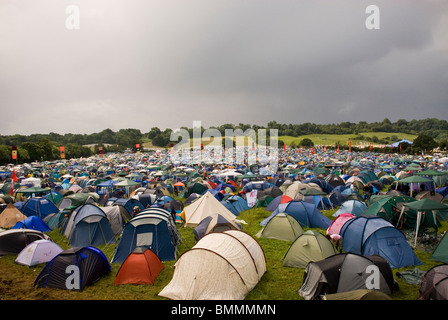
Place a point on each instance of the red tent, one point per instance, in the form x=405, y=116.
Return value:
x=142, y=266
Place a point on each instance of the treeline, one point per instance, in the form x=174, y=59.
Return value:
x=38, y=147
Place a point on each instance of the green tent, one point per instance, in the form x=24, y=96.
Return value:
x=387, y=207
x=281, y=227
x=441, y=252
x=415, y=179
x=311, y=246
x=423, y=206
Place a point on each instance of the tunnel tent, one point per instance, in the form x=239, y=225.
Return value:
x=220, y=266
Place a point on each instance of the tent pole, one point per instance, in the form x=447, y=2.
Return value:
x=401, y=213
x=419, y=215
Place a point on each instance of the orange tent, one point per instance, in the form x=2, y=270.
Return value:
x=142, y=266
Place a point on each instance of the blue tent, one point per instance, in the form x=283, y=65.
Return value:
x=89, y=226
x=354, y=207
x=370, y=235
x=129, y=204
x=237, y=202
x=40, y=207
x=32, y=222
x=305, y=213
x=92, y=264
x=152, y=228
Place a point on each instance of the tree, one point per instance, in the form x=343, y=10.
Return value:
x=306, y=142
x=154, y=132
x=424, y=143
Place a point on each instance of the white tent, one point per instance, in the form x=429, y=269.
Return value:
x=203, y=207
x=39, y=251
x=221, y=266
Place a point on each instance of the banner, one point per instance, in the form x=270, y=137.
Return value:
x=251, y=198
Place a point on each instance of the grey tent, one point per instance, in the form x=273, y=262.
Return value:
x=345, y=272
x=214, y=223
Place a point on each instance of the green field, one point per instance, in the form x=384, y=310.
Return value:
x=330, y=139
x=341, y=139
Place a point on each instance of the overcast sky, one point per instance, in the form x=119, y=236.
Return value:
x=166, y=63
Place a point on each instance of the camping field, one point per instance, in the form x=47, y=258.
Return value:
x=278, y=283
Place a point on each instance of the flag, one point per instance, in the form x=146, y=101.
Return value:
x=312, y=150
x=284, y=147
x=337, y=149
x=14, y=179
x=325, y=148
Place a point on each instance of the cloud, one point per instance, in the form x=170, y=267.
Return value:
x=140, y=64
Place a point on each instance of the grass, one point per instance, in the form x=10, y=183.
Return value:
x=333, y=139
x=278, y=283
x=323, y=139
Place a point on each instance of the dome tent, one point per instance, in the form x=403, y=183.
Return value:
x=37, y=252
x=308, y=247
x=14, y=240
x=344, y=272
x=434, y=285
x=306, y=213
x=92, y=264
x=281, y=227
x=88, y=226
x=214, y=223
x=152, y=228
x=371, y=235
x=142, y=266
x=221, y=266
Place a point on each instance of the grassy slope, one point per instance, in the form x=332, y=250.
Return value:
x=325, y=139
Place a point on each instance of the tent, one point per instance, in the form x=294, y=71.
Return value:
x=345, y=272
x=306, y=213
x=354, y=207
x=338, y=222
x=276, y=201
x=14, y=240
x=206, y=205
x=32, y=222
x=371, y=235
x=88, y=226
x=118, y=216
x=422, y=206
x=10, y=216
x=90, y=261
x=316, y=196
x=38, y=206
x=152, y=228
x=308, y=247
x=220, y=266
x=37, y=252
x=359, y=294
x=387, y=207
x=281, y=227
x=441, y=251
x=239, y=203
x=142, y=266
x=434, y=285
x=214, y=223
x=129, y=204
x=414, y=182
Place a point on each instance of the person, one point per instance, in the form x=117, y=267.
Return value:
x=336, y=240
x=136, y=211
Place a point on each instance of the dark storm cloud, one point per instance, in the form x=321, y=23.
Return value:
x=139, y=64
